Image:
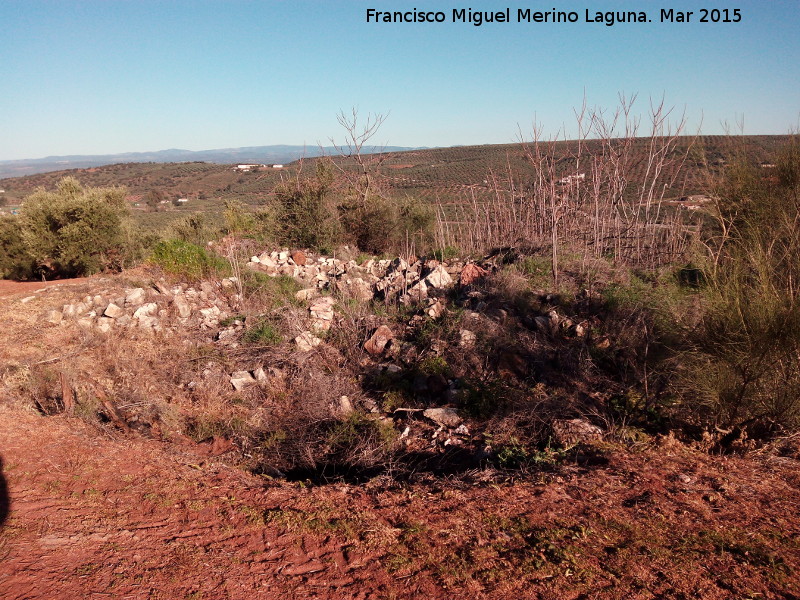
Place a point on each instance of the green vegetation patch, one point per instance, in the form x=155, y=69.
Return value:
x=187, y=260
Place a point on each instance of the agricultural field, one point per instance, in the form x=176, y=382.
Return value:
x=446, y=176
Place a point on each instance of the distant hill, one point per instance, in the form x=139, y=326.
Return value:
x=449, y=177
x=279, y=154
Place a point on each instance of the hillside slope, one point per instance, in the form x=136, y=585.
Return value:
x=116, y=500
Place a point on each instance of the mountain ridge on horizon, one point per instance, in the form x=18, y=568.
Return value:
x=272, y=154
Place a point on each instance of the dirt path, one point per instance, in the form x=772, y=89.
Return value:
x=95, y=518
x=96, y=514
x=12, y=288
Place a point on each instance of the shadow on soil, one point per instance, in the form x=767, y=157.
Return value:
x=4, y=499
x=454, y=462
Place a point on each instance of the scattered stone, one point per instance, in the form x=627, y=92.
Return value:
x=241, y=379
x=54, y=316
x=307, y=341
x=322, y=313
x=299, y=258
x=549, y=323
x=307, y=294
x=471, y=273
x=265, y=258
x=182, y=306
x=226, y=334
x=113, y=311
x=344, y=406
x=437, y=384
x=435, y=310
x=438, y=278
x=360, y=289
x=260, y=374
x=208, y=313
x=135, y=297
x=145, y=310
x=105, y=324
x=376, y=344
x=570, y=432
x=467, y=338
x=498, y=314
x=603, y=343
x=446, y=417
x=162, y=288
x=149, y=323
x=27, y=299
x=85, y=323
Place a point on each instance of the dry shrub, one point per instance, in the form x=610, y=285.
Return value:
x=305, y=431
x=741, y=362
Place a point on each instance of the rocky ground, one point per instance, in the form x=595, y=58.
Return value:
x=131, y=506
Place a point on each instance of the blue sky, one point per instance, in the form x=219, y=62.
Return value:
x=96, y=77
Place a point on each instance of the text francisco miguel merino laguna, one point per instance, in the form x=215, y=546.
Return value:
x=526, y=15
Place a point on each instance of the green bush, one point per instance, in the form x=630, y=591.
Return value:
x=379, y=225
x=187, y=260
x=742, y=365
x=75, y=231
x=446, y=253
x=353, y=438
x=306, y=214
x=539, y=269
x=195, y=229
x=15, y=261
x=238, y=221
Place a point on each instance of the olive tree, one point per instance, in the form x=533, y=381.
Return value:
x=75, y=231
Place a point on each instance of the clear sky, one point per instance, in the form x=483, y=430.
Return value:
x=97, y=77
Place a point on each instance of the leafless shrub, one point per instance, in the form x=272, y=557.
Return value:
x=583, y=196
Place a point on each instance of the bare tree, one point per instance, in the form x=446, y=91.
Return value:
x=363, y=181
